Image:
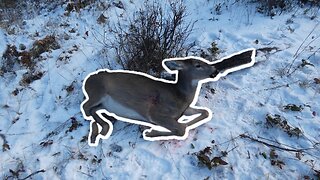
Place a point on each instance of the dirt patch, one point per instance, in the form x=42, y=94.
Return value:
x=29, y=77
x=13, y=59
x=44, y=45
x=9, y=59
x=26, y=59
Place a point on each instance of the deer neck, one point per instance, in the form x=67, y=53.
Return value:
x=186, y=86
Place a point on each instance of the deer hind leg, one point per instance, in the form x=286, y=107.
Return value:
x=175, y=129
x=192, y=111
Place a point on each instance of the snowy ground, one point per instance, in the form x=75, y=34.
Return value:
x=43, y=133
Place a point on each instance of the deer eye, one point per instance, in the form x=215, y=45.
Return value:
x=198, y=66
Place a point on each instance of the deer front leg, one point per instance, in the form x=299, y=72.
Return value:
x=94, y=132
x=105, y=125
x=192, y=111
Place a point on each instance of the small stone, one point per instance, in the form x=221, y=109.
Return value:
x=102, y=19
x=66, y=37
x=115, y=148
x=22, y=47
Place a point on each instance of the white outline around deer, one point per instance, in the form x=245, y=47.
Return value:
x=106, y=90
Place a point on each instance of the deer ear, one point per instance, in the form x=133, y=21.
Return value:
x=174, y=64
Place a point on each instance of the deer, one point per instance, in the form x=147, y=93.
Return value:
x=166, y=107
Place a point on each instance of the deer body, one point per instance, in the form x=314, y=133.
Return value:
x=168, y=107
x=148, y=99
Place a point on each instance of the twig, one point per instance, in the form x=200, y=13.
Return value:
x=18, y=134
x=271, y=140
x=274, y=146
x=96, y=38
x=34, y=173
x=85, y=174
x=280, y=86
x=294, y=70
x=296, y=53
x=313, y=54
x=314, y=144
x=3, y=138
x=314, y=39
x=233, y=149
x=5, y=145
x=232, y=139
x=175, y=164
x=300, y=66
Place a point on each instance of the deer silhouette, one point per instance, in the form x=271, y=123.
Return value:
x=166, y=106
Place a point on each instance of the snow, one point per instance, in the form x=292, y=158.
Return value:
x=42, y=137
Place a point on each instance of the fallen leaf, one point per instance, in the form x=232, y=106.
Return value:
x=218, y=161
x=317, y=80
